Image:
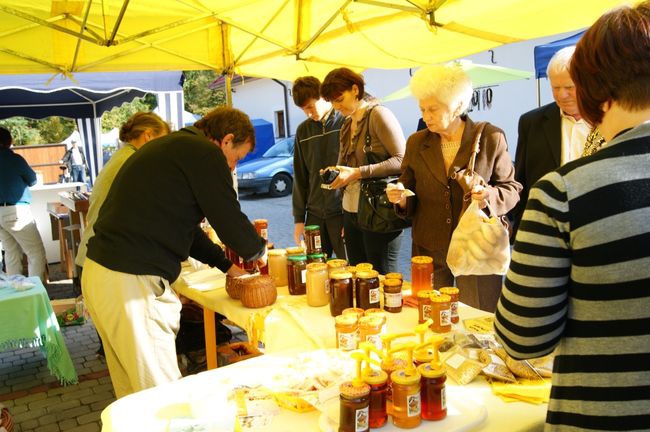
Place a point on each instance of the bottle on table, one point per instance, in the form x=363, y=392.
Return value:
x=440, y=313
x=354, y=407
x=312, y=239
x=317, y=285
x=367, y=289
x=393, y=295
x=297, y=274
x=421, y=274
x=453, y=293
x=278, y=266
x=341, y=291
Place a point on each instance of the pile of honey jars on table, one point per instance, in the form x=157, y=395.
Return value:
x=408, y=394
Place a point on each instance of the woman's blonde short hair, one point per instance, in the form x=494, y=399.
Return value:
x=448, y=83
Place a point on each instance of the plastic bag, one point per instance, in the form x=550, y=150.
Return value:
x=479, y=245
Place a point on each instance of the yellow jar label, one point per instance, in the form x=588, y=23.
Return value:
x=413, y=404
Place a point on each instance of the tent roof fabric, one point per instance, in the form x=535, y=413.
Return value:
x=88, y=96
x=544, y=53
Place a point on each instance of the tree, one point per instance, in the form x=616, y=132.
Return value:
x=21, y=131
x=200, y=98
x=116, y=117
x=54, y=129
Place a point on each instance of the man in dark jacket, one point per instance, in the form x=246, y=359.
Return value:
x=316, y=148
x=148, y=225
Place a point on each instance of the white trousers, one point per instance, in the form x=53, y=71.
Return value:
x=137, y=317
x=18, y=234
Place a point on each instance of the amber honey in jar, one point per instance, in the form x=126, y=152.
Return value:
x=378, y=382
x=421, y=274
x=406, y=398
x=312, y=239
x=370, y=330
x=318, y=284
x=341, y=292
x=392, y=295
x=278, y=266
x=424, y=305
x=297, y=274
x=262, y=228
x=354, y=407
x=453, y=293
x=440, y=313
x=367, y=289
x=432, y=392
x=347, y=329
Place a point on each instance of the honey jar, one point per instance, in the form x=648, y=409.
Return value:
x=354, y=406
x=336, y=264
x=370, y=330
x=421, y=274
x=262, y=228
x=394, y=275
x=392, y=295
x=297, y=274
x=354, y=311
x=341, y=292
x=406, y=398
x=346, y=332
x=278, y=266
x=452, y=292
x=363, y=267
x=295, y=250
x=312, y=239
x=424, y=305
x=367, y=289
x=317, y=285
x=440, y=313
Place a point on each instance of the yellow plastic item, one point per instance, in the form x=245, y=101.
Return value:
x=421, y=329
x=293, y=401
x=435, y=367
x=370, y=375
x=408, y=375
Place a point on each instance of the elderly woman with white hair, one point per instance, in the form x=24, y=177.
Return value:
x=433, y=157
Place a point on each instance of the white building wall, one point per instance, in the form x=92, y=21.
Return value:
x=261, y=98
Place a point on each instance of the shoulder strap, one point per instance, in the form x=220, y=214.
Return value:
x=476, y=146
x=367, y=148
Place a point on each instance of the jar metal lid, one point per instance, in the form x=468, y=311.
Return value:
x=341, y=275
x=312, y=227
x=422, y=260
x=297, y=258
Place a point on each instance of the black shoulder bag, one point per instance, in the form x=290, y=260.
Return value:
x=376, y=213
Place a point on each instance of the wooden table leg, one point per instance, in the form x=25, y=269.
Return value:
x=210, y=338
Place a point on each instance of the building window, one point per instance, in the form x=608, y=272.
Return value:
x=280, y=124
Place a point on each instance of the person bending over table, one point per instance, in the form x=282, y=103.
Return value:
x=148, y=226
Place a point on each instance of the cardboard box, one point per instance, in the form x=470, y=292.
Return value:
x=70, y=311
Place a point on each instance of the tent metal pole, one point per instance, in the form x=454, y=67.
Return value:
x=539, y=95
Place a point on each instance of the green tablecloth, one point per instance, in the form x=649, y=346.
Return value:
x=27, y=320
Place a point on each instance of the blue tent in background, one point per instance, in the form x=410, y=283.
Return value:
x=264, y=139
x=85, y=97
x=543, y=54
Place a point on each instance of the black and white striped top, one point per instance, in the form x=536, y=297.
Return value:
x=579, y=280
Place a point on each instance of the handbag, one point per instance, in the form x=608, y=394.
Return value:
x=376, y=213
x=468, y=178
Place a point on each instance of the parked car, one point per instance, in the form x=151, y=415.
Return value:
x=272, y=173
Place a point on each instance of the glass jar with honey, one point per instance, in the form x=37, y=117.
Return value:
x=347, y=328
x=424, y=305
x=421, y=274
x=432, y=392
x=312, y=239
x=278, y=266
x=453, y=293
x=341, y=292
x=336, y=264
x=370, y=330
x=297, y=274
x=367, y=289
x=317, y=285
x=262, y=228
x=393, y=295
x=440, y=313
x=354, y=407
x=406, y=398
x=378, y=382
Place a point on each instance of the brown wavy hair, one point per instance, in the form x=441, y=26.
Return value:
x=141, y=121
x=304, y=89
x=611, y=62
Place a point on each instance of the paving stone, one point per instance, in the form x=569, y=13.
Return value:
x=29, y=424
x=68, y=424
x=29, y=415
x=50, y=428
x=30, y=398
x=76, y=393
x=98, y=397
x=99, y=406
x=47, y=419
x=103, y=388
x=90, y=427
x=63, y=406
x=42, y=403
x=92, y=417
x=73, y=413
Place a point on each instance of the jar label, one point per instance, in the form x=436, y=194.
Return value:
x=392, y=300
x=317, y=242
x=445, y=317
x=327, y=286
x=373, y=295
x=303, y=276
x=443, y=398
x=264, y=233
x=426, y=312
x=347, y=341
x=361, y=420
x=454, y=309
x=413, y=404
x=375, y=339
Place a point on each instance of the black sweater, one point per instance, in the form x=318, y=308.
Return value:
x=149, y=222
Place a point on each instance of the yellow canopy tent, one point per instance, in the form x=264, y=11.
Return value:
x=269, y=38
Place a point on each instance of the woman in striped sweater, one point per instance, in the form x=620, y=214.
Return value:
x=580, y=273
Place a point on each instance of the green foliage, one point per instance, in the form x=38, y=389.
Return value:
x=55, y=129
x=116, y=117
x=22, y=131
x=199, y=97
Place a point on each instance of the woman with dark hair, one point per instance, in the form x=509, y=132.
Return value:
x=580, y=269
x=364, y=118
